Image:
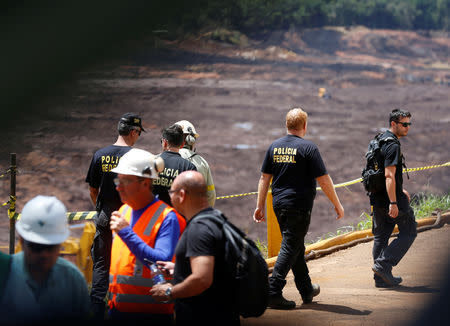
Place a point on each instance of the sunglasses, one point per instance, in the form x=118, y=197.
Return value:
x=404, y=124
x=37, y=247
x=124, y=182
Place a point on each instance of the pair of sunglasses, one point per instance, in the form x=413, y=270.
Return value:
x=404, y=124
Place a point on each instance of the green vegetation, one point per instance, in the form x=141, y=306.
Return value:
x=262, y=246
x=424, y=205
x=258, y=16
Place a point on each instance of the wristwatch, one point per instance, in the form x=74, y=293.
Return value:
x=169, y=293
x=393, y=203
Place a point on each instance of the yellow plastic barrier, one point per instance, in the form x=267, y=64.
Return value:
x=78, y=251
x=348, y=237
x=273, y=229
x=85, y=261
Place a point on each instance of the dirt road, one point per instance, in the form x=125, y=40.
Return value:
x=348, y=295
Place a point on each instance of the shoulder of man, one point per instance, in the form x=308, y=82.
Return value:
x=207, y=217
x=63, y=266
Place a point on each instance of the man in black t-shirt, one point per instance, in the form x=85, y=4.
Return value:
x=107, y=200
x=294, y=165
x=201, y=291
x=391, y=206
x=172, y=140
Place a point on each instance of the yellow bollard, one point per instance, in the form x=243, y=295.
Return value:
x=70, y=250
x=86, y=240
x=273, y=229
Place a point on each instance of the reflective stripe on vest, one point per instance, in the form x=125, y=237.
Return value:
x=136, y=298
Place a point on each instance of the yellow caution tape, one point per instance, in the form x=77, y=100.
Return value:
x=238, y=195
x=12, y=206
x=81, y=216
x=348, y=183
x=426, y=167
x=71, y=216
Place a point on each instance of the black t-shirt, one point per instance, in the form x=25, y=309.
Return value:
x=100, y=177
x=391, y=151
x=174, y=164
x=204, y=237
x=294, y=163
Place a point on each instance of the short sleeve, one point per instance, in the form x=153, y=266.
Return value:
x=93, y=177
x=204, y=240
x=267, y=166
x=391, y=154
x=317, y=165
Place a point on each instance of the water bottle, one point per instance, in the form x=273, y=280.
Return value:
x=155, y=273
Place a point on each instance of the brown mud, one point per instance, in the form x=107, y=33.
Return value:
x=237, y=97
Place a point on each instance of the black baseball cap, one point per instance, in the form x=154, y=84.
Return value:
x=132, y=119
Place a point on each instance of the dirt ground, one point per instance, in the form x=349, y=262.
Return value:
x=348, y=295
x=237, y=97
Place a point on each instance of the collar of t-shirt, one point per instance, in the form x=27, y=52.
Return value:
x=136, y=214
x=203, y=210
x=391, y=133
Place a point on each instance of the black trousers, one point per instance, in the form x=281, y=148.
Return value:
x=294, y=224
x=384, y=255
x=101, y=257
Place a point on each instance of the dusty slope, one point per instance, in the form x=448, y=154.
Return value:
x=237, y=97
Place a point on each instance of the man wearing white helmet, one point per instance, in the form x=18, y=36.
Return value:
x=43, y=287
x=188, y=152
x=146, y=230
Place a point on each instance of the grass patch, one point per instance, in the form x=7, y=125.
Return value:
x=425, y=204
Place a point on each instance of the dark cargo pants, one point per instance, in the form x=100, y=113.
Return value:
x=101, y=258
x=384, y=255
x=294, y=224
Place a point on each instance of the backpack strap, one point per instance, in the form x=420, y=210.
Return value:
x=192, y=156
x=5, y=263
x=388, y=139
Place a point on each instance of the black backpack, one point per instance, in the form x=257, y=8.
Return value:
x=373, y=177
x=245, y=266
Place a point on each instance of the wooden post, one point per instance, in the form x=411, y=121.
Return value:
x=12, y=205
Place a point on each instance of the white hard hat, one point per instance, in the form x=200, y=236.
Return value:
x=140, y=163
x=44, y=221
x=188, y=128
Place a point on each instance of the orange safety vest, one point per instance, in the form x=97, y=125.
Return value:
x=129, y=279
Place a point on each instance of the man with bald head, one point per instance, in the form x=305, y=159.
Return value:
x=201, y=290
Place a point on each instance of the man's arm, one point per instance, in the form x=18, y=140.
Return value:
x=94, y=194
x=200, y=280
x=165, y=242
x=389, y=173
x=327, y=186
x=263, y=188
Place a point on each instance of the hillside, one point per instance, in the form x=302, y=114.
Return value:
x=236, y=90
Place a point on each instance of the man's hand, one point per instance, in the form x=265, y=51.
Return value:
x=393, y=210
x=166, y=267
x=118, y=221
x=158, y=291
x=258, y=215
x=339, y=211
